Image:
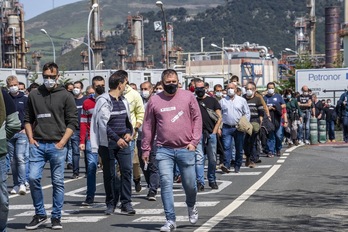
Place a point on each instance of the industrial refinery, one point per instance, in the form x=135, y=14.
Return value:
x=249, y=60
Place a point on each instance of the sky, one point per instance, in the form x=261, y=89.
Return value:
x=33, y=8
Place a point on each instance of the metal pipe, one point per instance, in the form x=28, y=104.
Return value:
x=202, y=38
x=14, y=47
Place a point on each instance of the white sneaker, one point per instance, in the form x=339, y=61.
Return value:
x=169, y=226
x=27, y=186
x=307, y=142
x=300, y=142
x=193, y=214
x=15, y=190
x=22, y=190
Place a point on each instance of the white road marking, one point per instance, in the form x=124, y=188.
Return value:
x=238, y=202
x=198, y=204
x=242, y=174
x=74, y=193
x=285, y=154
x=144, y=211
x=283, y=157
x=26, y=207
x=82, y=219
x=280, y=161
x=160, y=219
x=32, y=213
x=258, y=166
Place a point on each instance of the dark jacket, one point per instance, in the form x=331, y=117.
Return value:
x=51, y=113
x=9, y=121
x=20, y=101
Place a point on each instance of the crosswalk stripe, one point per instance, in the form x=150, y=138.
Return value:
x=198, y=204
x=242, y=174
x=82, y=219
x=285, y=154
x=258, y=166
x=27, y=206
x=280, y=161
x=160, y=219
x=283, y=157
x=32, y=213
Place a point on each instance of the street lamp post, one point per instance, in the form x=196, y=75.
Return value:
x=95, y=5
x=96, y=67
x=290, y=50
x=89, y=49
x=54, y=49
x=202, y=38
x=228, y=57
x=160, y=5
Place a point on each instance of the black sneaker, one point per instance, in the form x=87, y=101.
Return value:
x=137, y=185
x=127, y=209
x=69, y=166
x=200, y=187
x=213, y=185
x=88, y=202
x=56, y=224
x=36, y=222
x=151, y=196
x=75, y=176
x=110, y=209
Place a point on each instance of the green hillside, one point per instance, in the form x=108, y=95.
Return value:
x=70, y=21
x=266, y=22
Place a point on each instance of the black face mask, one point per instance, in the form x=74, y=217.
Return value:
x=200, y=92
x=170, y=88
x=100, y=90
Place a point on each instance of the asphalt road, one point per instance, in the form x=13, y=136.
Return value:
x=304, y=190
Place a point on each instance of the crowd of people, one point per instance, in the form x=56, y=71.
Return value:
x=160, y=130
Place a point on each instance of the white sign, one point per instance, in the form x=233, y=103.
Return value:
x=323, y=82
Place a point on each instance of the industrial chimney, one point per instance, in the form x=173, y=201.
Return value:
x=332, y=38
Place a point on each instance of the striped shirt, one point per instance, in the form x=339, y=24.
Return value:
x=116, y=126
x=256, y=108
x=85, y=121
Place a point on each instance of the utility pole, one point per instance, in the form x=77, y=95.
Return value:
x=52, y=4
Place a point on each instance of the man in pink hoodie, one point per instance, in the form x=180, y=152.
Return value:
x=174, y=116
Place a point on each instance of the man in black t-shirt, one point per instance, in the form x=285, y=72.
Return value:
x=256, y=114
x=305, y=103
x=208, y=141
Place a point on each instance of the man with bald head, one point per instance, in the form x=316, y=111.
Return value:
x=233, y=107
x=305, y=103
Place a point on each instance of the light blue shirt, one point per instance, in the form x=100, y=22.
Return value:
x=234, y=109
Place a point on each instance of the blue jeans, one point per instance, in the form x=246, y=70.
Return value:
x=345, y=127
x=210, y=149
x=18, y=147
x=3, y=194
x=47, y=151
x=330, y=127
x=185, y=160
x=69, y=158
x=151, y=174
x=92, y=162
x=123, y=183
x=75, y=142
x=305, y=124
x=228, y=134
x=274, y=141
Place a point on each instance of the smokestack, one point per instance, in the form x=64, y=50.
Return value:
x=332, y=38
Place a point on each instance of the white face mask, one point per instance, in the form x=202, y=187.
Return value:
x=218, y=94
x=13, y=89
x=76, y=91
x=249, y=92
x=305, y=93
x=145, y=94
x=49, y=83
x=159, y=91
x=230, y=92
x=270, y=91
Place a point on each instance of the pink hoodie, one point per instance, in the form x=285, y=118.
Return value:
x=176, y=121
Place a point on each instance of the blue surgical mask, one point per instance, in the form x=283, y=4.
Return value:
x=92, y=95
x=288, y=96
